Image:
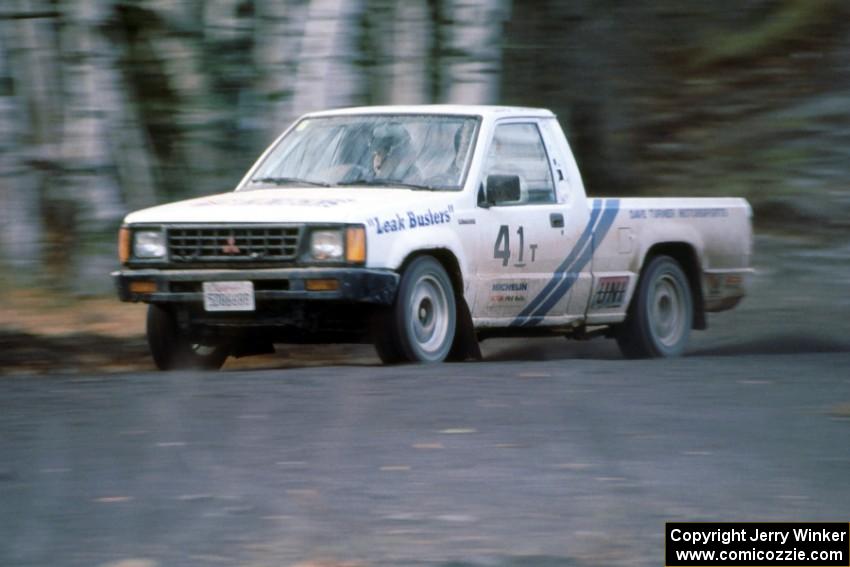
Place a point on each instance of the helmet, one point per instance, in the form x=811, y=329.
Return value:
x=387, y=137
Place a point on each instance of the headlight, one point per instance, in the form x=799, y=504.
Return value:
x=149, y=244
x=327, y=245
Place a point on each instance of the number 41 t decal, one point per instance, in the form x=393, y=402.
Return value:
x=502, y=247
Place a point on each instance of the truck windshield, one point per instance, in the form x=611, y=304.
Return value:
x=381, y=150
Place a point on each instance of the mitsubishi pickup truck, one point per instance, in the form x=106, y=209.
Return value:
x=424, y=230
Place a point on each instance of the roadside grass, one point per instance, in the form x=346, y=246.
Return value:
x=43, y=331
x=50, y=332
x=40, y=311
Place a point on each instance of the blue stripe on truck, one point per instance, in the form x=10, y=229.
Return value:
x=567, y=273
x=560, y=273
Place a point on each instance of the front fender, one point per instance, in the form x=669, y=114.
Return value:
x=397, y=249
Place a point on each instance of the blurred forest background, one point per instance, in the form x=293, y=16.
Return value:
x=112, y=105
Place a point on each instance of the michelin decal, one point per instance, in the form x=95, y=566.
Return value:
x=509, y=292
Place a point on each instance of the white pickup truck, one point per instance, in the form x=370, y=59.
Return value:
x=424, y=229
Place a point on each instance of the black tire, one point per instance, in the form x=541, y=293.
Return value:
x=384, y=338
x=173, y=351
x=659, y=320
x=424, y=313
x=466, y=342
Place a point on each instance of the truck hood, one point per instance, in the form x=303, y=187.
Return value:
x=295, y=205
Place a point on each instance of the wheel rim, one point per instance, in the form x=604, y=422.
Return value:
x=667, y=313
x=202, y=350
x=428, y=318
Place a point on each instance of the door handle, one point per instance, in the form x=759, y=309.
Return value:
x=556, y=220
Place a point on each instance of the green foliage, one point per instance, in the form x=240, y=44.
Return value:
x=792, y=21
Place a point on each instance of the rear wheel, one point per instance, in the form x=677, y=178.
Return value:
x=659, y=320
x=173, y=351
x=424, y=315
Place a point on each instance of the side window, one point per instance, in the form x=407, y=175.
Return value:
x=517, y=149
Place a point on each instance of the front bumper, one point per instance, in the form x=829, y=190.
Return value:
x=359, y=285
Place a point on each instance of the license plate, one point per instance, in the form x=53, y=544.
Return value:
x=229, y=296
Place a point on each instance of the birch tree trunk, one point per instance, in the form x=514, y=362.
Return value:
x=20, y=223
x=26, y=34
x=473, y=76
x=177, y=47
x=90, y=100
x=133, y=156
x=279, y=30
x=9, y=162
x=410, y=38
x=327, y=75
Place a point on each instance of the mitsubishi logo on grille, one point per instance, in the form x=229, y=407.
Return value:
x=230, y=248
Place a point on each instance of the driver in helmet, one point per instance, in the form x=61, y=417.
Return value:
x=392, y=155
x=382, y=150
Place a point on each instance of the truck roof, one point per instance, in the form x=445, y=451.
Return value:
x=483, y=110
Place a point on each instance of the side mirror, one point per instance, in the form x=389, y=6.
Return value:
x=503, y=189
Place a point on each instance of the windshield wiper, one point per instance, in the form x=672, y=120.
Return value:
x=382, y=183
x=289, y=181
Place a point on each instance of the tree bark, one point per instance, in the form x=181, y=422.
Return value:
x=472, y=75
x=410, y=39
x=29, y=145
x=327, y=75
x=196, y=161
x=90, y=100
x=279, y=32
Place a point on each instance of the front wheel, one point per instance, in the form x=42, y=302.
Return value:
x=424, y=316
x=173, y=351
x=660, y=316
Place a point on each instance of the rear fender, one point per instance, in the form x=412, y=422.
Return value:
x=687, y=254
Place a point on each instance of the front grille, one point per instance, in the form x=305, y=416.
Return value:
x=232, y=243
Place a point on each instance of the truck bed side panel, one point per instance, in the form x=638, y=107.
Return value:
x=717, y=229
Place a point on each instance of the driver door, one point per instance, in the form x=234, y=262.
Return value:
x=523, y=242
